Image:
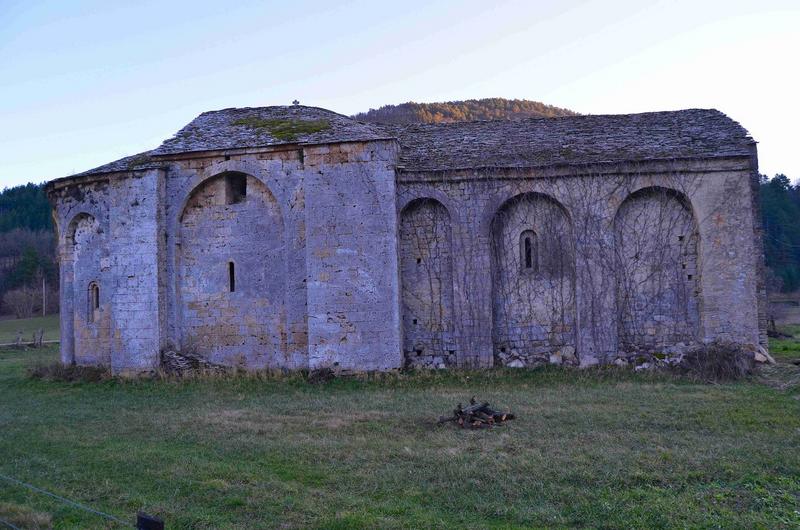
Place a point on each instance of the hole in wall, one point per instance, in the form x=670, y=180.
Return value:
x=235, y=188
x=231, y=277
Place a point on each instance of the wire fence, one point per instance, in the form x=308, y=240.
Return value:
x=69, y=502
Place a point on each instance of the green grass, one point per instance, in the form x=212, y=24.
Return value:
x=788, y=348
x=598, y=448
x=9, y=328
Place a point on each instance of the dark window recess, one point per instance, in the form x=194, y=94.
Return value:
x=419, y=260
x=414, y=321
x=528, y=250
x=231, y=277
x=419, y=352
x=235, y=188
x=689, y=277
x=94, y=302
x=680, y=238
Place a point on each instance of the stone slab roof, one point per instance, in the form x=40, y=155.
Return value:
x=266, y=126
x=129, y=163
x=530, y=142
x=538, y=142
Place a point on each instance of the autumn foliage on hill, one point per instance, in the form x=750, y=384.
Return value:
x=469, y=110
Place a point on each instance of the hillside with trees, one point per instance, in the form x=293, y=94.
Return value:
x=27, y=252
x=780, y=212
x=469, y=110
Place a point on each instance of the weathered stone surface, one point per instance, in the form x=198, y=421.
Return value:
x=578, y=241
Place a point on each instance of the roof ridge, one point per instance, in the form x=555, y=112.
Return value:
x=523, y=142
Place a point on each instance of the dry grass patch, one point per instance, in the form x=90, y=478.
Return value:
x=24, y=517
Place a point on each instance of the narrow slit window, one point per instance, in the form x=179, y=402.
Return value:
x=528, y=251
x=94, y=302
x=231, y=277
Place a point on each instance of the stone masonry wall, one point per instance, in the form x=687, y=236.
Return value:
x=232, y=271
x=426, y=272
x=263, y=323
x=713, y=297
x=91, y=291
x=108, y=241
x=353, y=279
x=658, y=281
x=533, y=275
x=554, y=265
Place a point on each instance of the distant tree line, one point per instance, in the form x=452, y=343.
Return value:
x=780, y=212
x=27, y=252
x=469, y=110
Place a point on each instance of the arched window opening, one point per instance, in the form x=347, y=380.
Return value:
x=231, y=277
x=529, y=251
x=94, y=302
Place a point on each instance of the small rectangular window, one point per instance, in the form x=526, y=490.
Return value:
x=235, y=188
x=231, y=277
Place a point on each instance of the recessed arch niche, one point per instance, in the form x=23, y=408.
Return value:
x=657, y=271
x=426, y=271
x=533, y=281
x=231, y=281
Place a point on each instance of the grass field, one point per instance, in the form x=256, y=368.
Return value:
x=786, y=348
x=9, y=328
x=597, y=448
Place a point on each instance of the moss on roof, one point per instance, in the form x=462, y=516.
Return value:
x=287, y=130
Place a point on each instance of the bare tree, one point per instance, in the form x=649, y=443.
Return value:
x=22, y=301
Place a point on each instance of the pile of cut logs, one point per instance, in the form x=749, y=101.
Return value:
x=477, y=416
x=173, y=362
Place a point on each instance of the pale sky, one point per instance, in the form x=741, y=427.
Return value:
x=83, y=83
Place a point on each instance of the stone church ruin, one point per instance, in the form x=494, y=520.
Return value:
x=298, y=238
